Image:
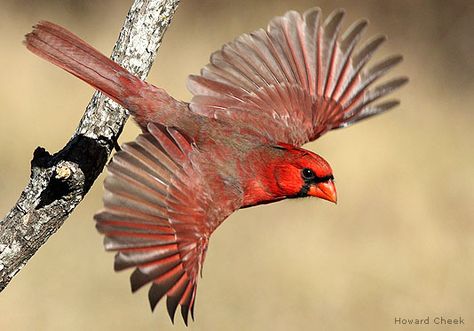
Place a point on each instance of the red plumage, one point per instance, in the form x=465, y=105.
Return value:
x=236, y=144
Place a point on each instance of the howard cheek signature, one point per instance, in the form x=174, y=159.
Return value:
x=429, y=320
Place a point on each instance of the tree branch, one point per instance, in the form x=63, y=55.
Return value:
x=59, y=182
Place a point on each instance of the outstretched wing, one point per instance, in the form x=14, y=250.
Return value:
x=296, y=80
x=159, y=212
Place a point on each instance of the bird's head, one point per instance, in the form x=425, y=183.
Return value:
x=302, y=173
x=291, y=172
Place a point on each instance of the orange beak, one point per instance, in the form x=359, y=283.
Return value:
x=326, y=191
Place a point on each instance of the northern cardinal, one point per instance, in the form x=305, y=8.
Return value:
x=236, y=144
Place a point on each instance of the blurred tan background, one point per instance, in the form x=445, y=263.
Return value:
x=398, y=244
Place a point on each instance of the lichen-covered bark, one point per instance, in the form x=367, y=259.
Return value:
x=59, y=182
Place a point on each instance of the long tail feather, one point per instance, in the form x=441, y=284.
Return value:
x=64, y=49
x=60, y=47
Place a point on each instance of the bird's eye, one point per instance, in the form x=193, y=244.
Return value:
x=307, y=173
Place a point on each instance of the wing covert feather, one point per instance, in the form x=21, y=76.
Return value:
x=159, y=211
x=295, y=80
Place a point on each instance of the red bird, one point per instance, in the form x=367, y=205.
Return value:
x=235, y=145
